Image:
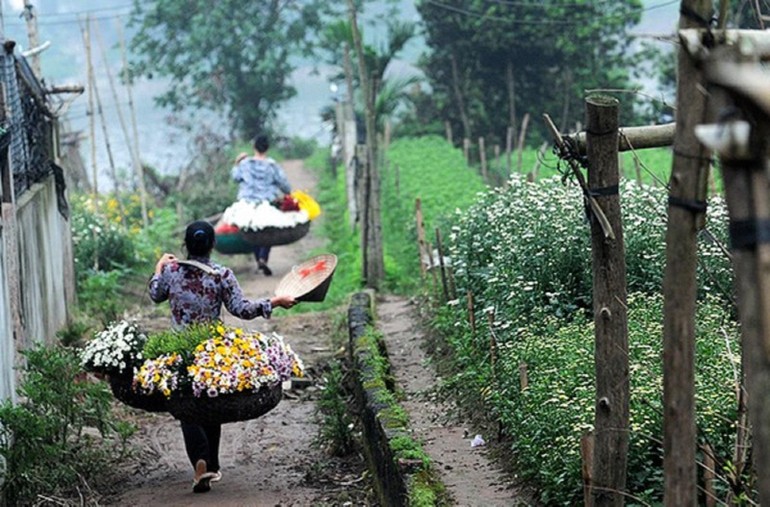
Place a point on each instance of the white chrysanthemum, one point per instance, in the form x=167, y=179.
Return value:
x=249, y=216
x=113, y=348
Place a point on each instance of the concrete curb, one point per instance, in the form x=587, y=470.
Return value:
x=393, y=476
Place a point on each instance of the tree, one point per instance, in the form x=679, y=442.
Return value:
x=491, y=58
x=229, y=56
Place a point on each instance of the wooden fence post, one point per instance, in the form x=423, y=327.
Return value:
x=638, y=168
x=483, y=159
x=420, y=236
x=686, y=209
x=467, y=150
x=441, y=264
x=520, y=144
x=509, y=148
x=610, y=315
x=448, y=130
x=492, y=342
x=748, y=202
x=471, y=314
x=587, y=458
x=709, y=474
x=523, y=376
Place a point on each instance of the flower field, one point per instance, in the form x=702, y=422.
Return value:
x=523, y=252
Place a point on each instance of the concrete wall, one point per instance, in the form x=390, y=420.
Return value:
x=7, y=376
x=39, y=280
x=45, y=263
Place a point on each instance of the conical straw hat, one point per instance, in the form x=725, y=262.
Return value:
x=310, y=280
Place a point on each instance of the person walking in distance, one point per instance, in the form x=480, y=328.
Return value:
x=260, y=178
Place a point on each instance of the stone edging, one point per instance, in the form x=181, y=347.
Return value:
x=382, y=418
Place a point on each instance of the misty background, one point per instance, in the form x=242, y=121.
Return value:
x=161, y=144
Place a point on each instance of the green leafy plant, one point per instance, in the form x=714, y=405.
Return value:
x=99, y=294
x=62, y=434
x=177, y=341
x=336, y=430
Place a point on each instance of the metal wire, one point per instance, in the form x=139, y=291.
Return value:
x=30, y=125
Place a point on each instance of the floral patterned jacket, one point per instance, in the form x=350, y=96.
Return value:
x=196, y=296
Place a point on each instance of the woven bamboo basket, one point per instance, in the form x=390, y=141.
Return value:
x=122, y=388
x=225, y=408
x=276, y=236
x=232, y=243
x=310, y=280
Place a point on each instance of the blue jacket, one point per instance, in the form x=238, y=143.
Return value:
x=260, y=180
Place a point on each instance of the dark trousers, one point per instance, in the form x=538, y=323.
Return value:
x=202, y=442
x=261, y=253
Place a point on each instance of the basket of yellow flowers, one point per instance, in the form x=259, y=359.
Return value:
x=218, y=374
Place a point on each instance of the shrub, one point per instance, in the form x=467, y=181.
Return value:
x=62, y=434
x=99, y=243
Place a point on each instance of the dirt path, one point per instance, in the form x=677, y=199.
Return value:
x=270, y=461
x=467, y=472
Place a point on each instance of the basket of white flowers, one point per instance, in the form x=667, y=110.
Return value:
x=114, y=352
x=265, y=225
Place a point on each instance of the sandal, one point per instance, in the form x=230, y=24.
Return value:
x=263, y=267
x=202, y=481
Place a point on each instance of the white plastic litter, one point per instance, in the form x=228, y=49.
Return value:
x=478, y=441
x=249, y=216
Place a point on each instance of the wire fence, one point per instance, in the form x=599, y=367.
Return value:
x=29, y=123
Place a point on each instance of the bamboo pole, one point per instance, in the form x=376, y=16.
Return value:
x=91, y=118
x=136, y=160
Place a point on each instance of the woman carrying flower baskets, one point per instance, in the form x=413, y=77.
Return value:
x=196, y=293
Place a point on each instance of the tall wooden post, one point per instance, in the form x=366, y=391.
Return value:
x=610, y=317
x=440, y=249
x=421, y=245
x=687, y=193
x=374, y=264
x=520, y=144
x=483, y=159
x=747, y=193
